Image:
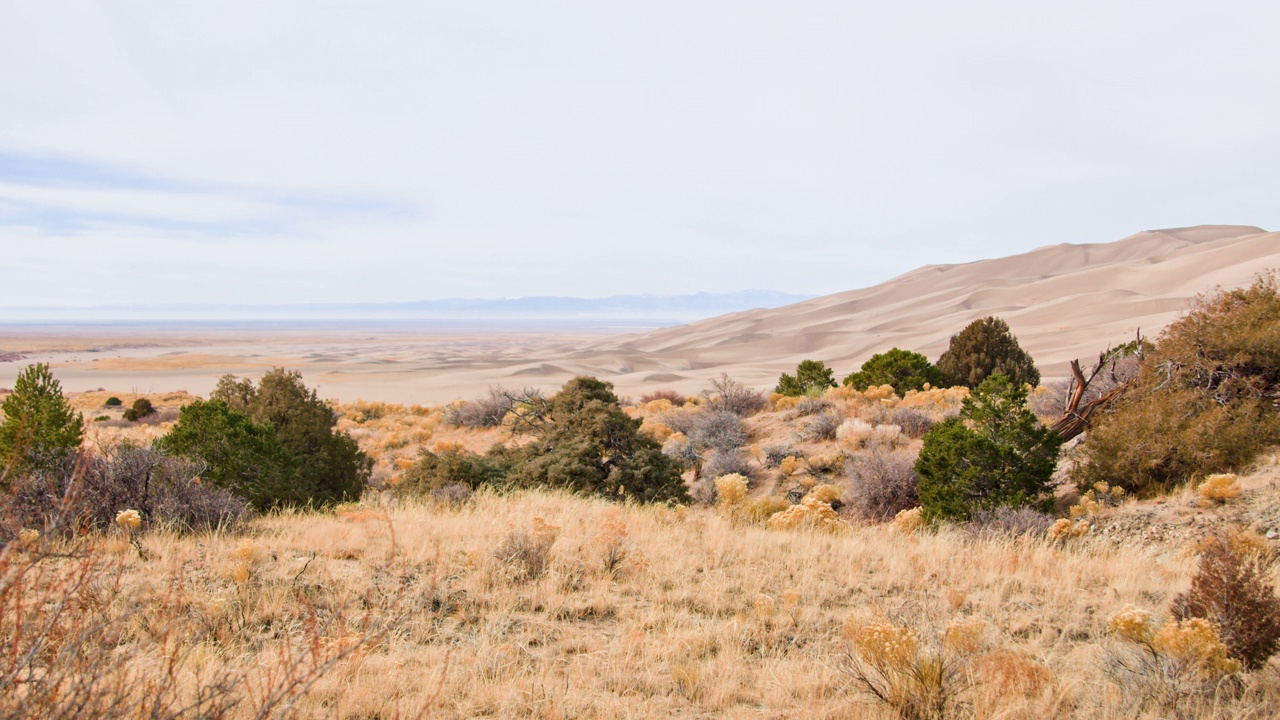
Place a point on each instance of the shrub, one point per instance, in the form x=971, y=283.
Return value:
x=1005, y=459
x=670, y=396
x=1219, y=489
x=678, y=448
x=806, y=406
x=717, y=430
x=88, y=492
x=329, y=466
x=39, y=425
x=725, y=463
x=1009, y=522
x=449, y=466
x=854, y=433
x=526, y=554
x=113, y=401
x=883, y=483
x=902, y=369
x=820, y=427
x=731, y=396
x=914, y=423
x=590, y=445
x=812, y=513
x=1204, y=399
x=919, y=680
x=1231, y=589
x=775, y=454
x=240, y=455
x=731, y=491
x=492, y=410
x=1176, y=668
x=140, y=408
x=984, y=348
x=812, y=377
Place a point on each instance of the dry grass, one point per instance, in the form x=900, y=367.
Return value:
x=645, y=611
x=601, y=610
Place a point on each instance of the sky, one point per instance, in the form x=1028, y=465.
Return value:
x=377, y=151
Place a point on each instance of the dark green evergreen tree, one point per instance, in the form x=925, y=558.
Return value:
x=39, y=425
x=983, y=348
x=903, y=369
x=812, y=377
x=242, y=456
x=590, y=445
x=1001, y=456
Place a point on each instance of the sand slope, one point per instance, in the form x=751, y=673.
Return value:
x=1062, y=301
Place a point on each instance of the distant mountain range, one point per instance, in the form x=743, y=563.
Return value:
x=636, y=309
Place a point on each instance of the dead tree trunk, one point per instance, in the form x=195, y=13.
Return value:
x=1077, y=414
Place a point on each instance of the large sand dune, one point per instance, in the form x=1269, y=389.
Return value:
x=1062, y=301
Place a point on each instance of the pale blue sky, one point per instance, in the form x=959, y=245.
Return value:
x=264, y=152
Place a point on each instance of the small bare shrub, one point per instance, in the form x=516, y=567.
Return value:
x=719, y=431
x=88, y=491
x=731, y=396
x=1231, y=589
x=526, y=553
x=452, y=495
x=808, y=405
x=775, y=454
x=681, y=450
x=1009, y=522
x=610, y=542
x=884, y=483
x=914, y=423
x=491, y=410
x=820, y=427
x=726, y=463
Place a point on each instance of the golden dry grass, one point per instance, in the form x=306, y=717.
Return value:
x=700, y=617
x=657, y=612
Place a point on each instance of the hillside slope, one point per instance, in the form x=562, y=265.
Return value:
x=1063, y=301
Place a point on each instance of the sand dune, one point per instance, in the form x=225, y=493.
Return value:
x=1063, y=302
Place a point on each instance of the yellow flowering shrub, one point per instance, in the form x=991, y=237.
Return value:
x=811, y=513
x=827, y=493
x=731, y=490
x=1194, y=641
x=1219, y=489
x=1064, y=529
x=657, y=430
x=791, y=465
x=908, y=522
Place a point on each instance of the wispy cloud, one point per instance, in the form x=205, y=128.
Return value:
x=62, y=196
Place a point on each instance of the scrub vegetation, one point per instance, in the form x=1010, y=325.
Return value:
x=895, y=546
